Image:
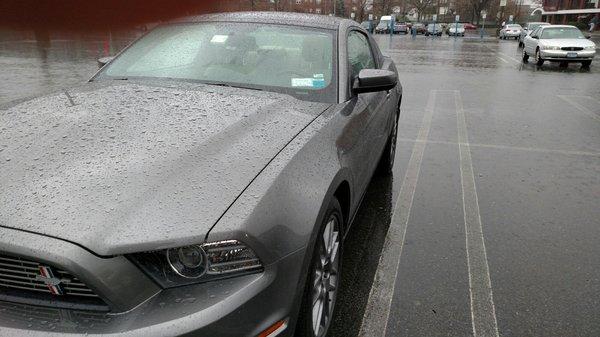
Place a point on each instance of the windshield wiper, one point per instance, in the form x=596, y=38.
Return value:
x=221, y=84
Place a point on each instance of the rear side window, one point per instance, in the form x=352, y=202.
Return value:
x=359, y=53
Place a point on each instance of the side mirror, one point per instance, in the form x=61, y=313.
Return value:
x=534, y=37
x=588, y=37
x=373, y=80
x=104, y=60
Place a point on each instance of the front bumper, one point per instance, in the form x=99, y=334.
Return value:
x=239, y=306
x=561, y=55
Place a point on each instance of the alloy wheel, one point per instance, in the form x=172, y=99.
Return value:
x=325, y=279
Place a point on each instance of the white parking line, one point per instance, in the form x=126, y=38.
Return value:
x=377, y=312
x=483, y=312
x=501, y=59
x=503, y=54
x=569, y=99
x=508, y=147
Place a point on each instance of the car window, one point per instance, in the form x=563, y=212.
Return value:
x=533, y=26
x=535, y=32
x=562, y=33
x=291, y=60
x=359, y=53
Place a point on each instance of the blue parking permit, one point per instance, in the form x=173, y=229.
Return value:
x=318, y=83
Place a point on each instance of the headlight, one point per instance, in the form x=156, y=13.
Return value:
x=590, y=48
x=550, y=47
x=198, y=263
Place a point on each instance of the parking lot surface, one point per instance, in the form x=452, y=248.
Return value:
x=494, y=207
x=490, y=225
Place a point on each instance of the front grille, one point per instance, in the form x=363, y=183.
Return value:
x=22, y=274
x=571, y=48
x=27, y=281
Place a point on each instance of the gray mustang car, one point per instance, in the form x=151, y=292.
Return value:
x=201, y=183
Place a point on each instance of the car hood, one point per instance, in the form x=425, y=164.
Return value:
x=567, y=42
x=122, y=167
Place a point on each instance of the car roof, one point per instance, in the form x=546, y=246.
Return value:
x=281, y=18
x=558, y=26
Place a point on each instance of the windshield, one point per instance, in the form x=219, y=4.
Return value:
x=562, y=33
x=291, y=60
x=437, y=27
x=533, y=26
x=384, y=23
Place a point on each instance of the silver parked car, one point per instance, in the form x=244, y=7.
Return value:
x=529, y=27
x=558, y=43
x=202, y=183
x=510, y=31
x=456, y=29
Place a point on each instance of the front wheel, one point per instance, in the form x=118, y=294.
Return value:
x=538, y=58
x=525, y=56
x=318, y=305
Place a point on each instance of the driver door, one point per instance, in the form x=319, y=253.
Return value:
x=366, y=112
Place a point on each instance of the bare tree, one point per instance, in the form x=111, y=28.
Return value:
x=382, y=7
x=422, y=6
x=362, y=9
x=476, y=7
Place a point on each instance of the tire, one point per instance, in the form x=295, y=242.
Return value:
x=586, y=64
x=525, y=56
x=538, y=59
x=386, y=162
x=322, y=284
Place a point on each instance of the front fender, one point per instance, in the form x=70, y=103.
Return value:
x=277, y=213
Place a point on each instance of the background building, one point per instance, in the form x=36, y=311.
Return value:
x=578, y=12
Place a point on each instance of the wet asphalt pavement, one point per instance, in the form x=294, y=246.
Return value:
x=530, y=144
x=497, y=182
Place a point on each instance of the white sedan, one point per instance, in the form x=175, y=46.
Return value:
x=456, y=29
x=510, y=31
x=558, y=43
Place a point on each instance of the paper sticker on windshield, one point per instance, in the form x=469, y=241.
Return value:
x=219, y=38
x=302, y=82
x=309, y=82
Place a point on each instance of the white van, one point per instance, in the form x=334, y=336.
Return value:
x=384, y=24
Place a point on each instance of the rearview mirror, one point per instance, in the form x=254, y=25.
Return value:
x=373, y=80
x=104, y=60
